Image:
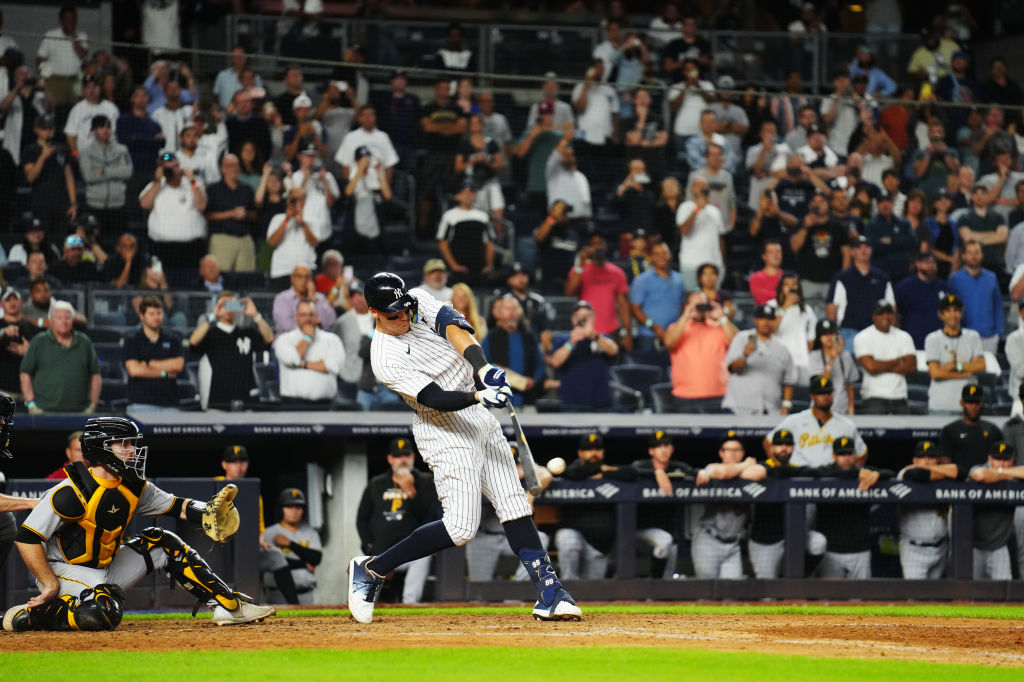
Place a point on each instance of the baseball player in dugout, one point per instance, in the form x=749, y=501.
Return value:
x=924, y=533
x=297, y=543
x=424, y=350
x=815, y=428
x=394, y=504
x=993, y=523
x=966, y=441
x=767, y=542
x=72, y=541
x=657, y=524
x=8, y=504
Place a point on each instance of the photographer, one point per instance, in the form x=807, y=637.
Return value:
x=292, y=239
x=697, y=344
x=48, y=171
x=702, y=226
x=321, y=191
x=582, y=358
x=479, y=159
x=558, y=239
x=25, y=101
x=176, y=202
x=770, y=223
x=821, y=245
x=305, y=131
x=368, y=186
x=603, y=286
x=635, y=198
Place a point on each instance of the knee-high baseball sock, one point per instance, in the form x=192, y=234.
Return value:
x=522, y=534
x=286, y=585
x=424, y=541
x=524, y=540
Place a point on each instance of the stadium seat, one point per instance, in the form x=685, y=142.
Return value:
x=639, y=377
x=661, y=395
x=110, y=318
x=267, y=382
x=110, y=352
x=114, y=394
x=188, y=394
x=105, y=334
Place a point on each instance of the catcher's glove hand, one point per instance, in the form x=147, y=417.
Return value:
x=220, y=519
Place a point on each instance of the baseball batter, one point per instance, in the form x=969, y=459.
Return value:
x=72, y=541
x=425, y=351
x=923, y=529
x=815, y=428
x=8, y=526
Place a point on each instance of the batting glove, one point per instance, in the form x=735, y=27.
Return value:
x=490, y=376
x=494, y=397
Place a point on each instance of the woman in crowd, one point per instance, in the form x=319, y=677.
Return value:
x=464, y=301
x=829, y=358
x=707, y=279
x=796, y=323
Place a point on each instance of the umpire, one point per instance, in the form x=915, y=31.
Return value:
x=395, y=504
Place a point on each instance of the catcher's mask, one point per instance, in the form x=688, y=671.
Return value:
x=115, y=443
x=7, y=407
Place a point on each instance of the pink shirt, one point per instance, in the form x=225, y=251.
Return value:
x=698, y=362
x=763, y=286
x=601, y=286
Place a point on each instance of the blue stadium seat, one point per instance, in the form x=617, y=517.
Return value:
x=639, y=377
x=114, y=394
x=111, y=318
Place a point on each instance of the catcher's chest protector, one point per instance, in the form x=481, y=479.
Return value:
x=100, y=511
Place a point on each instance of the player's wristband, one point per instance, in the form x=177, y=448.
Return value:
x=30, y=404
x=649, y=323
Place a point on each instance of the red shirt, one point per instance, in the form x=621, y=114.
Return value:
x=59, y=474
x=698, y=362
x=601, y=286
x=763, y=286
x=324, y=283
x=894, y=121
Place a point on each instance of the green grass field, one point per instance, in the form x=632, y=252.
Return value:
x=493, y=664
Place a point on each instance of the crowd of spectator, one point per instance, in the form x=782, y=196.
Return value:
x=888, y=224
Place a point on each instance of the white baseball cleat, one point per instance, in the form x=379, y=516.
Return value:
x=245, y=613
x=362, y=589
x=562, y=607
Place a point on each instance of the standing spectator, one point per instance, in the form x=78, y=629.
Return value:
x=368, y=186
x=466, y=239
x=536, y=145
x=230, y=213
x=331, y=280
x=173, y=115
x=699, y=145
x=597, y=114
x=228, y=80
x=879, y=82
x=603, y=286
x=195, y=157
x=60, y=56
x=993, y=524
x=479, y=159
x=1014, y=349
x=965, y=441
x=81, y=116
x=561, y=112
x=887, y=354
x=792, y=110
x=302, y=289
x=687, y=47
x=931, y=60
x=565, y=182
x=321, y=191
x=175, y=201
x=796, y=188
x=765, y=161
x=954, y=355
x=855, y=291
x=731, y=120
x=142, y=135
x=942, y=235
x=227, y=350
x=986, y=227
x=496, y=125
x=761, y=370
x=536, y=311
x=384, y=158
x=917, y=299
x=828, y=358
x=399, y=113
x=293, y=87
x=310, y=359
x=795, y=329
x=21, y=106
x=765, y=281
x=840, y=113
x=701, y=224
x=48, y=171
x=582, y=356
x=106, y=166
x=153, y=358
x=982, y=302
x=688, y=98
x=635, y=199
x=656, y=298
x=822, y=247
x=893, y=238
x=298, y=543
x=442, y=124
x=293, y=239
x=958, y=86
x=453, y=54
x=770, y=224
x=823, y=161
x=934, y=163
x=796, y=138
x=1002, y=184
x=60, y=372
x=435, y=279
x=393, y=505
x=15, y=333
x=243, y=125
x=719, y=181
x=697, y=343
x=512, y=345
x=305, y=132
x=356, y=328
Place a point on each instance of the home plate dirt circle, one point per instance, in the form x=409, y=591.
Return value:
x=941, y=640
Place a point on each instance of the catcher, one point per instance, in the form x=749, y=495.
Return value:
x=72, y=541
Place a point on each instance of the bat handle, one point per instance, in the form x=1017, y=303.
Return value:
x=535, y=491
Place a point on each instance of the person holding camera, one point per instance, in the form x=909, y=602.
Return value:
x=479, y=159
x=761, y=370
x=635, y=198
x=321, y=192
x=698, y=342
x=558, y=239
x=603, y=286
x=292, y=238
x=821, y=245
x=368, y=187
x=176, y=201
x=702, y=226
x=582, y=358
x=305, y=131
x=719, y=180
x=173, y=116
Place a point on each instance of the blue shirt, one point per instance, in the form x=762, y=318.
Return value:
x=860, y=293
x=983, y=304
x=585, y=375
x=139, y=134
x=918, y=303
x=517, y=360
x=894, y=255
x=661, y=298
x=157, y=98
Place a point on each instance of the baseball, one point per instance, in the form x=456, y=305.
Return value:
x=556, y=465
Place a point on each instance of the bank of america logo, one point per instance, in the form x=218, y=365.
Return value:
x=754, y=489
x=900, y=490
x=607, y=490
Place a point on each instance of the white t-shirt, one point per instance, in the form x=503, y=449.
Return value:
x=700, y=244
x=293, y=249
x=687, y=121
x=379, y=144
x=316, y=212
x=894, y=344
x=59, y=52
x=161, y=27
x=80, y=118
x=594, y=123
x=810, y=156
x=309, y=384
x=202, y=163
x=174, y=217
x=795, y=329
x=171, y=124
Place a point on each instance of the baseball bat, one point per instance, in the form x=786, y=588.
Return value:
x=525, y=456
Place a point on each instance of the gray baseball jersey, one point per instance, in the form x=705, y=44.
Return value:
x=757, y=388
x=923, y=534
x=466, y=449
x=305, y=536
x=944, y=394
x=813, y=441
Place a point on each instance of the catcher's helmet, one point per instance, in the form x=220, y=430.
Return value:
x=7, y=407
x=386, y=292
x=103, y=434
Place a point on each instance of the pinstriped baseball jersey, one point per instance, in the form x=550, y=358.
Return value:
x=466, y=449
x=812, y=441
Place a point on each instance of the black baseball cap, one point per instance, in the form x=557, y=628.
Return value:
x=972, y=393
x=291, y=497
x=235, y=453
x=814, y=128
x=516, y=269
x=861, y=240
x=657, y=438
x=882, y=305
x=765, y=311
x=731, y=434
x=782, y=437
x=825, y=326
x=950, y=301
x=884, y=196
x=591, y=441
x=464, y=185
x=1001, y=450
x=44, y=121
x=843, y=446
x=356, y=287
x=89, y=78
x=926, y=448
x=821, y=385
x=401, y=446
x=362, y=151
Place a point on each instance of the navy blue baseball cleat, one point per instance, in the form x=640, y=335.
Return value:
x=562, y=607
x=362, y=589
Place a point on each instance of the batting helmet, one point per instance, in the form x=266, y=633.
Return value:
x=386, y=292
x=7, y=407
x=102, y=433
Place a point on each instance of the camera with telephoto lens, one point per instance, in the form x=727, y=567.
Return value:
x=705, y=307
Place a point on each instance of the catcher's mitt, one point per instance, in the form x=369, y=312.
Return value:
x=220, y=519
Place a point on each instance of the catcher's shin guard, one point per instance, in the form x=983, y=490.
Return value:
x=186, y=567
x=97, y=608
